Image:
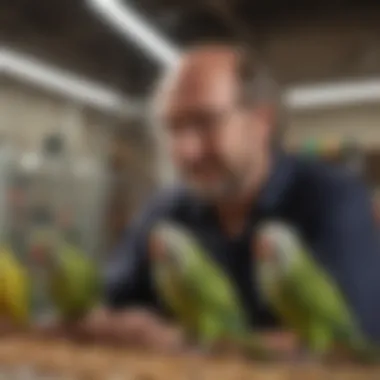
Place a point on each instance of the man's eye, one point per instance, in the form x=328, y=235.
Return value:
x=175, y=127
x=200, y=120
x=205, y=120
x=210, y=120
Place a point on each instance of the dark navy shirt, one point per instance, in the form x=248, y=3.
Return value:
x=329, y=206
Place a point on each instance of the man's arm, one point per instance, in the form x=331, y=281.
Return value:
x=350, y=245
x=126, y=276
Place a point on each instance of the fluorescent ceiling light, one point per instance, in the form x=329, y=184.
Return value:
x=132, y=26
x=333, y=94
x=77, y=88
x=318, y=96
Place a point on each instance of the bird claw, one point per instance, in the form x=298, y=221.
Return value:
x=305, y=357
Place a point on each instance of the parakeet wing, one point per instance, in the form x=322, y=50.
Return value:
x=216, y=291
x=206, y=285
x=75, y=282
x=319, y=294
x=177, y=297
x=205, y=277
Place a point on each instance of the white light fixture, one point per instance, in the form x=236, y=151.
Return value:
x=303, y=97
x=30, y=161
x=333, y=94
x=29, y=69
x=132, y=26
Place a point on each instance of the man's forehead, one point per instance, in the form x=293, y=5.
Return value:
x=201, y=77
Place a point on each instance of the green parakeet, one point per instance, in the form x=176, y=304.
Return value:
x=305, y=296
x=15, y=295
x=198, y=292
x=74, y=284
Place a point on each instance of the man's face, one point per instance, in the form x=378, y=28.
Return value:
x=213, y=141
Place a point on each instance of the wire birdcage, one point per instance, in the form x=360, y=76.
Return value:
x=63, y=203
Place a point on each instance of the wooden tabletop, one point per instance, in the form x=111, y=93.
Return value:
x=66, y=360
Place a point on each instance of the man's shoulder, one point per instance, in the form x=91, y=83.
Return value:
x=325, y=181
x=322, y=196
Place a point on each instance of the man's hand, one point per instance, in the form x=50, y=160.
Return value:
x=281, y=341
x=8, y=328
x=136, y=328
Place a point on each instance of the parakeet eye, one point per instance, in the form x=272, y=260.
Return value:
x=263, y=249
x=282, y=241
x=164, y=249
x=156, y=248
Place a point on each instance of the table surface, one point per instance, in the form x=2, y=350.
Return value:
x=58, y=359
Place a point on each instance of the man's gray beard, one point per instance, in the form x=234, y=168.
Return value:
x=224, y=192
x=232, y=188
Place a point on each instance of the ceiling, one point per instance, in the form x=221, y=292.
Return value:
x=329, y=39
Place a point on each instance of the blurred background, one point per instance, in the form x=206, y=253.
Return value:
x=76, y=75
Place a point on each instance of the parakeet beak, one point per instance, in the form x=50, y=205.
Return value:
x=156, y=247
x=39, y=253
x=263, y=249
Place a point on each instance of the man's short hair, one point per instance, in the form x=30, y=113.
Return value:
x=256, y=82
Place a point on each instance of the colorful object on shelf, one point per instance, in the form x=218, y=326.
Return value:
x=330, y=148
x=346, y=151
x=310, y=148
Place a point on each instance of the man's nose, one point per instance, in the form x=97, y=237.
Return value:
x=191, y=146
x=156, y=247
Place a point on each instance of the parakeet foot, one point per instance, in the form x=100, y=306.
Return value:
x=198, y=351
x=304, y=356
x=214, y=350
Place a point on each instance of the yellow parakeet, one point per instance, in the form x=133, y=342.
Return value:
x=15, y=288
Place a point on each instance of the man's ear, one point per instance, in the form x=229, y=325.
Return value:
x=266, y=113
